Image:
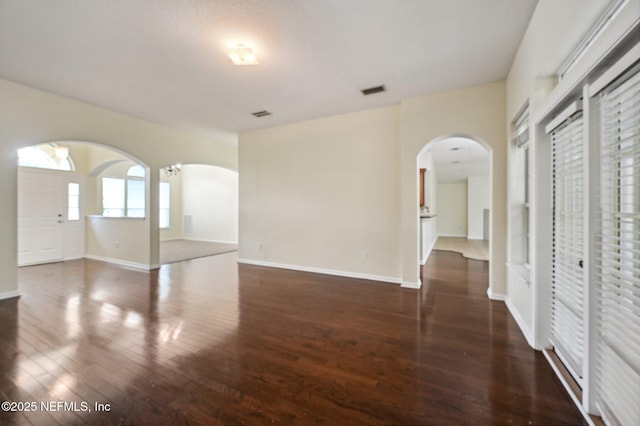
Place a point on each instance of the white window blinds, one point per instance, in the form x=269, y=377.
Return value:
x=567, y=324
x=519, y=222
x=618, y=254
x=520, y=135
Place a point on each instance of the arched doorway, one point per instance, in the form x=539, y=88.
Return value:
x=454, y=201
x=199, y=211
x=80, y=199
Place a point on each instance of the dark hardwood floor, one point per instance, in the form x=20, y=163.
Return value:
x=210, y=342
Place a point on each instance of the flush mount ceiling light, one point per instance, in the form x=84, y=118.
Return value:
x=242, y=55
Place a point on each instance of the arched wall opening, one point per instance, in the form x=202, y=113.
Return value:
x=478, y=112
x=454, y=196
x=198, y=211
x=100, y=210
x=203, y=201
x=32, y=116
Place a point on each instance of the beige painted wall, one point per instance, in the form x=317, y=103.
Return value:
x=324, y=194
x=29, y=116
x=475, y=112
x=122, y=239
x=478, y=199
x=118, y=238
x=79, y=153
x=210, y=196
x=452, y=208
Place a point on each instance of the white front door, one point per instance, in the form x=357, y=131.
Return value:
x=48, y=231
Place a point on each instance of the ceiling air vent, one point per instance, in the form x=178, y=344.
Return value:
x=261, y=113
x=372, y=90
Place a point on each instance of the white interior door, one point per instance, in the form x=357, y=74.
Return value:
x=45, y=233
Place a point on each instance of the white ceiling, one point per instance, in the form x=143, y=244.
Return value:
x=165, y=60
x=458, y=158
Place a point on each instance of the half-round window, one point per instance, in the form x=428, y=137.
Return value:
x=46, y=156
x=136, y=171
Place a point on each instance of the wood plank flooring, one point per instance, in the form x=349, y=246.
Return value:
x=179, y=250
x=212, y=342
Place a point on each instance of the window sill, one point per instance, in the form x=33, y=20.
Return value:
x=522, y=270
x=99, y=216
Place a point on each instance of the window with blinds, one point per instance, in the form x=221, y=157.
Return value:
x=521, y=128
x=567, y=309
x=520, y=217
x=618, y=253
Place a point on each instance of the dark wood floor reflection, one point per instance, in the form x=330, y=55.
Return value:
x=210, y=342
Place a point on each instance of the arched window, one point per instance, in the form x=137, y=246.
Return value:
x=136, y=171
x=125, y=197
x=46, y=156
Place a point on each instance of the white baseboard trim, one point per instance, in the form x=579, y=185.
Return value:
x=521, y=324
x=20, y=265
x=409, y=284
x=209, y=241
x=121, y=262
x=495, y=296
x=526, y=332
x=73, y=258
x=66, y=259
x=9, y=294
x=346, y=274
x=453, y=235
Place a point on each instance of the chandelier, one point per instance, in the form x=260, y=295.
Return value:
x=173, y=169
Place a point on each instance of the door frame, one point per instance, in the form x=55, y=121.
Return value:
x=63, y=178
